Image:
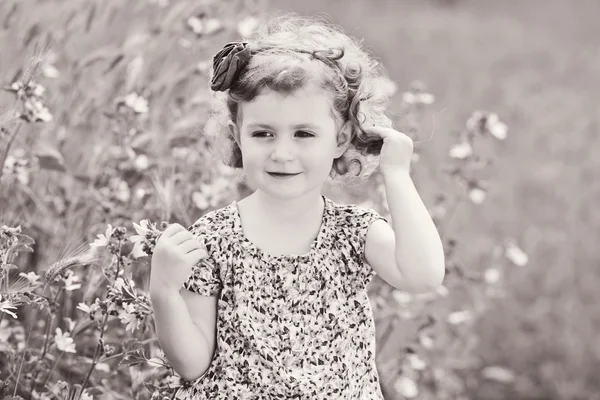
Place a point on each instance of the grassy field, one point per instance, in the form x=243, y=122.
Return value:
x=535, y=63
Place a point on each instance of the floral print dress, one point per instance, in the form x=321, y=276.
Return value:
x=288, y=326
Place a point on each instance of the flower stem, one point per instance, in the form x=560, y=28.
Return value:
x=26, y=343
x=44, y=350
x=49, y=321
x=95, y=359
x=53, y=368
x=5, y=152
x=96, y=352
x=150, y=340
x=450, y=215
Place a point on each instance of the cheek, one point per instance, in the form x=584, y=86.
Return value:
x=321, y=156
x=251, y=152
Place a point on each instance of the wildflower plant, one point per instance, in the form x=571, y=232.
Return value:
x=122, y=303
x=433, y=359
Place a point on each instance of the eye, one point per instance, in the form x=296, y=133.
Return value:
x=260, y=134
x=306, y=134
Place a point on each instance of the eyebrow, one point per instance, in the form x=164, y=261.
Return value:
x=298, y=126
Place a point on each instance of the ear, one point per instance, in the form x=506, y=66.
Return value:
x=343, y=139
x=234, y=131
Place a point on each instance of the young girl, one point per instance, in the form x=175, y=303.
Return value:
x=277, y=307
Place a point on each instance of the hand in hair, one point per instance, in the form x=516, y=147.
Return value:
x=397, y=150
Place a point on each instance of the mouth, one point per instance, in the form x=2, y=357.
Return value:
x=282, y=175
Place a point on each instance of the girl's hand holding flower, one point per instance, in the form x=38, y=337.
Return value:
x=176, y=252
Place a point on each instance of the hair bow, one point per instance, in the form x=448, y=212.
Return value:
x=228, y=64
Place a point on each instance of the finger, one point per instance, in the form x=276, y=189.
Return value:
x=197, y=254
x=173, y=229
x=189, y=245
x=380, y=130
x=181, y=235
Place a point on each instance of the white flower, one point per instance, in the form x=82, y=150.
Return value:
x=418, y=98
x=5, y=307
x=477, y=195
x=406, y=387
x=128, y=317
x=137, y=103
x=137, y=250
x=142, y=229
x=496, y=128
x=409, y=97
x=180, y=152
x=442, y=290
x=204, y=26
x=140, y=193
x=516, y=255
x=402, y=297
x=142, y=162
x=103, y=240
x=50, y=71
x=173, y=382
x=39, y=112
x=458, y=317
x=70, y=323
x=86, y=396
x=416, y=362
x=385, y=86
x=426, y=98
x=84, y=307
x=104, y=367
x=491, y=275
x=499, y=374
x=474, y=121
x=247, y=26
x=16, y=86
x=461, y=150
x=38, y=90
x=72, y=282
x=64, y=341
x=499, y=130
x=122, y=191
x=200, y=200
x=119, y=283
x=426, y=341
x=32, y=277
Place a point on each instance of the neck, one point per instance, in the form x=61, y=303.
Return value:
x=288, y=210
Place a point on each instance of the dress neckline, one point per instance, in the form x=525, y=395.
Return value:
x=247, y=243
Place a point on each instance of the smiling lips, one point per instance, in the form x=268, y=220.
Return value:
x=282, y=174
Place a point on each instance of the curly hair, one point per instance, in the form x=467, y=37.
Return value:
x=282, y=62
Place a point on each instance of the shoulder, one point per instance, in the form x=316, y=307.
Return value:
x=354, y=216
x=214, y=224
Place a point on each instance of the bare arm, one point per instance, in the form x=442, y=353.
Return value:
x=186, y=344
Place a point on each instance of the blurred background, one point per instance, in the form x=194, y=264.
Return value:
x=526, y=291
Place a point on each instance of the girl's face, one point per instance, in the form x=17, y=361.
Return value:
x=293, y=134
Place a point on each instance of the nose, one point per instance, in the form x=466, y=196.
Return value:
x=282, y=150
